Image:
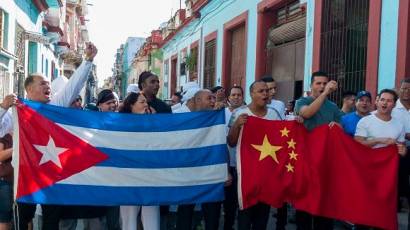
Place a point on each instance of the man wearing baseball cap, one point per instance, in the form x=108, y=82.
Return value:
x=363, y=108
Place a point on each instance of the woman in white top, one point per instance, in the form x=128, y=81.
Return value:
x=150, y=215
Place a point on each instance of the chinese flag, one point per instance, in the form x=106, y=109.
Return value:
x=324, y=172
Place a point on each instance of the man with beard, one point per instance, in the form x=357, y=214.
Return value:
x=230, y=205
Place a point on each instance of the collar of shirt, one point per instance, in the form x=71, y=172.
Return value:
x=399, y=105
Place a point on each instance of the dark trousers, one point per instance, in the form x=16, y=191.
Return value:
x=23, y=214
x=113, y=218
x=52, y=214
x=282, y=217
x=403, y=183
x=211, y=212
x=255, y=217
x=305, y=221
x=230, y=203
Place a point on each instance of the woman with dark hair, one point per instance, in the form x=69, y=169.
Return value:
x=6, y=182
x=137, y=103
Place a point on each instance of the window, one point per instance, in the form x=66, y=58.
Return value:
x=209, y=68
x=32, y=57
x=289, y=13
x=4, y=83
x=193, y=64
x=46, y=69
x=4, y=23
x=343, y=51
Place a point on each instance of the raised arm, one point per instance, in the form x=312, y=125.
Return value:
x=77, y=80
x=309, y=111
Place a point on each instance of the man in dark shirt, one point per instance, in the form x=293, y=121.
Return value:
x=149, y=84
x=317, y=110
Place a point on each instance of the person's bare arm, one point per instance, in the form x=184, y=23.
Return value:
x=6, y=154
x=236, y=129
x=375, y=141
x=309, y=111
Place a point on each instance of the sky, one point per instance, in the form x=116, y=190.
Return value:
x=111, y=22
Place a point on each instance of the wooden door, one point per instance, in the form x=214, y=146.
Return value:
x=173, y=76
x=238, y=58
x=210, y=63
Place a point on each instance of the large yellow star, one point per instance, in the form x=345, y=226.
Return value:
x=285, y=132
x=266, y=149
x=291, y=144
x=290, y=168
x=293, y=155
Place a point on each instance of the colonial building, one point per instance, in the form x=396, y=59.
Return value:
x=39, y=36
x=363, y=44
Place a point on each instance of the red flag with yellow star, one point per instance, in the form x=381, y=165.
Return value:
x=324, y=172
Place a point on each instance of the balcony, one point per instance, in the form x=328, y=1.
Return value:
x=62, y=48
x=53, y=33
x=53, y=17
x=54, y=3
x=179, y=18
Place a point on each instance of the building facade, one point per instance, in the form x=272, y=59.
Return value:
x=363, y=44
x=33, y=40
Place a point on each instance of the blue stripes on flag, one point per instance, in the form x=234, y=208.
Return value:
x=128, y=122
x=103, y=195
x=169, y=158
x=158, y=159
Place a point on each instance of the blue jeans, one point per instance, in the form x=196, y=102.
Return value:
x=6, y=201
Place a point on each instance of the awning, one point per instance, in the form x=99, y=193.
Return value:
x=287, y=32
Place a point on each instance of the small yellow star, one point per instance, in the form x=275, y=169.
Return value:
x=290, y=168
x=291, y=144
x=284, y=132
x=266, y=149
x=293, y=155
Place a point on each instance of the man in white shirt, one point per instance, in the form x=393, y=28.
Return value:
x=203, y=100
x=402, y=112
x=38, y=89
x=230, y=205
x=255, y=217
x=381, y=129
x=274, y=104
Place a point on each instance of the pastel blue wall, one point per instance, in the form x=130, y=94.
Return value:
x=213, y=17
x=388, y=44
x=29, y=8
x=310, y=20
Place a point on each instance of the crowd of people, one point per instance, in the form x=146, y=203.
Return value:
x=386, y=122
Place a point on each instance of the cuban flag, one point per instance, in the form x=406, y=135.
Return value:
x=74, y=157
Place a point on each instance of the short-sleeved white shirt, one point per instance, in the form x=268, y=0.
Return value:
x=182, y=109
x=372, y=127
x=270, y=115
x=279, y=106
x=401, y=113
